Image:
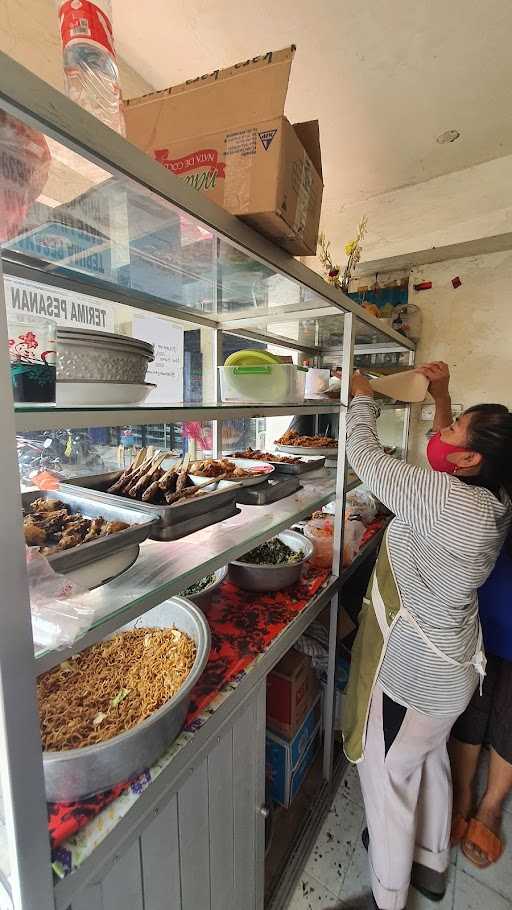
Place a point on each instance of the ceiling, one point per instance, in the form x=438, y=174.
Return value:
x=384, y=78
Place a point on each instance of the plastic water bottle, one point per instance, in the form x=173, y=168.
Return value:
x=90, y=66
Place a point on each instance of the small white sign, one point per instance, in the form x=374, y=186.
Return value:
x=166, y=371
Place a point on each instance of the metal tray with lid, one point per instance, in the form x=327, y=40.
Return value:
x=216, y=495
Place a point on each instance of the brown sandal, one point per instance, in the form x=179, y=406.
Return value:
x=459, y=829
x=481, y=838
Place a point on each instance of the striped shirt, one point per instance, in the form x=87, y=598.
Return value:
x=443, y=544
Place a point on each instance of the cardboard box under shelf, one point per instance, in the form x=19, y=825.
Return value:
x=225, y=134
x=287, y=762
x=291, y=690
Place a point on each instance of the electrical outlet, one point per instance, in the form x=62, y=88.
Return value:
x=457, y=409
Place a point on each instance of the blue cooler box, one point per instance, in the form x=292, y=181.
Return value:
x=287, y=762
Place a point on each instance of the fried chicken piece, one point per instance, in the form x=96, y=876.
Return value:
x=34, y=536
x=112, y=527
x=94, y=530
x=46, y=505
x=68, y=540
x=241, y=472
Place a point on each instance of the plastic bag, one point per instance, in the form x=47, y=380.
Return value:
x=60, y=614
x=354, y=533
x=362, y=503
x=24, y=167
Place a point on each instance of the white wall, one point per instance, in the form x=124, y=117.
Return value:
x=464, y=205
x=470, y=328
x=29, y=33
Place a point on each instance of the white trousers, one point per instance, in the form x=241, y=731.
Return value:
x=408, y=800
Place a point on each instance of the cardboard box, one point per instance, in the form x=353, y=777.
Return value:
x=225, y=134
x=291, y=690
x=287, y=762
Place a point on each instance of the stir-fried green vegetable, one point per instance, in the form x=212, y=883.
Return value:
x=198, y=586
x=273, y=553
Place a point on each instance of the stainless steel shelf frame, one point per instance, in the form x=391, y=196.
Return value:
x=294, y=292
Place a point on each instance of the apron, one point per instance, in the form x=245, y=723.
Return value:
x=382, y=608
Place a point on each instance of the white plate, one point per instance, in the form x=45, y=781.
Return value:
x=265, y=471
x=75, y=394
x=306, y=450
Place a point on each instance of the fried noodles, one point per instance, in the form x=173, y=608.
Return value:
x=112, y=686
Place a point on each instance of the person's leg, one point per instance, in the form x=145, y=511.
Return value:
x=391, y=782
x=499, y=778
x=434, y=819
x=464, y=762
x=468, y=735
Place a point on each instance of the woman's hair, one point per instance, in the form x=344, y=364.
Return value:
x=490, y=434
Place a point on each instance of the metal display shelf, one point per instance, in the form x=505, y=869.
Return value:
x=175, y=254
x=166, y=568
x=32, y=417
x=26, y=96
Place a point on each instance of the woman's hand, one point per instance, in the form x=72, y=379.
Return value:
x=360, y=385
x=438, y=375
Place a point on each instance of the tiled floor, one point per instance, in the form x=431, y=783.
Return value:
x=336, y=871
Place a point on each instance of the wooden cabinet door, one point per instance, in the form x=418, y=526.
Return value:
x=205, y=850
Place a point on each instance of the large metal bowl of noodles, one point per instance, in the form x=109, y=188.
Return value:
x=76, y=773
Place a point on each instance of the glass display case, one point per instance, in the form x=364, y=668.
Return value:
x=101, y=238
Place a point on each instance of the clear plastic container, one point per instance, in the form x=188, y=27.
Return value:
x=320, y=531
x=280, y=383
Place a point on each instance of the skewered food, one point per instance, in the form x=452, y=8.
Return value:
x=52, y=526
x=112, y=686
x=146, y=480
x=220, y=468
x=257, y=455
x=292, y=438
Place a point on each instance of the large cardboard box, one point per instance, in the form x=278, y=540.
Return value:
x=225, y=134
x=291, y=690
x=287, y=762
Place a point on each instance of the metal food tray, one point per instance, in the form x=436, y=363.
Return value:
x=311, y=464
x=174, y=532
x=168, y=516
x=274, y=489
x=140, y=521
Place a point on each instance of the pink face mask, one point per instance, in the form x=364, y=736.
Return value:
x=437, y=454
